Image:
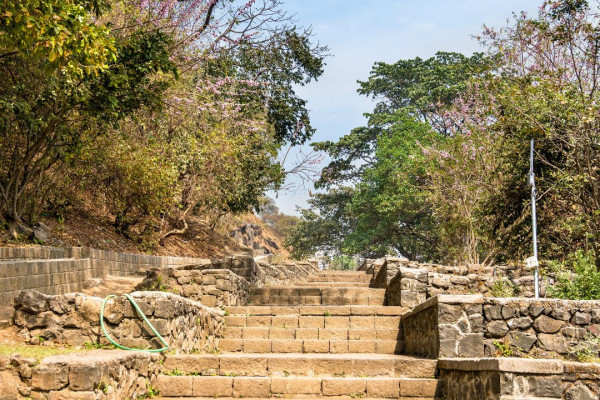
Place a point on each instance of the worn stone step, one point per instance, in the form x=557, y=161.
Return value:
x=304, y=397
x=316, y=291
x=315, y=321
x=341, y=273
x=297, y=364
x=333, y=284
x=314, y=300
x=264, y=387
x=287, y=332
x=317, y=310
x=316, y=296
x=311, y=346
x=361, y=279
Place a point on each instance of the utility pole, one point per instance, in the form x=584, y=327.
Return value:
x=533, y=261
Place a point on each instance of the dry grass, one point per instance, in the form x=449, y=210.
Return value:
x=37, y=352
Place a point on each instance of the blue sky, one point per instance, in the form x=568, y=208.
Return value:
x=360, y=33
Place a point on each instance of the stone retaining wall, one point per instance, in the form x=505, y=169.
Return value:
x=95, y=375
x=15, y=376
x=474, y=326
x=511, y=378
x=211, y=287
x=55, y=270
x=409, y=283
x=73, y=319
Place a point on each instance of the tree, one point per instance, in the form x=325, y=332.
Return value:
x=63, y=79
x=390, y=209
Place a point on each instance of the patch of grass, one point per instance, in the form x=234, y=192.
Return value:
x=357, y=395
x=37, y=352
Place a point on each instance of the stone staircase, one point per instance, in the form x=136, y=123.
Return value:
x=330, y=337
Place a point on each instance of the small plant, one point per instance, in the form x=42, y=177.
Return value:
x=286, y=373
x=503, y=349
x=339, y=374
x=588, y=350
x=577, y=278
x=174, y=372
x=357, y=395
x=327, y=313
x=504, y=288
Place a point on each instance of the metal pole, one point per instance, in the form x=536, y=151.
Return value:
x=534, y=221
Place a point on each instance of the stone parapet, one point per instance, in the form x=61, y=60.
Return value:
x=211, y=287
x=517, y=378
x=73, y=319
x=57, y=270
x=474, y=326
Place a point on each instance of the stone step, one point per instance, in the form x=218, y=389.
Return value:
x=316, y=310
x=265, y=387
x=327, y=321
x=317, y=296
x=333, y=284
x=314, y=321
x=304, y=397
x=341, y=273
x=311, y=346
x=283, y=365
x=286, y=332
x=315, y=291
x=365, y=278
x=315, y=300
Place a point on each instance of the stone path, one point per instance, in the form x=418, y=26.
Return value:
x=328, y=337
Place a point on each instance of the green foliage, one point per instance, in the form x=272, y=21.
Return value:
x=343, y=263
x=440, y=172
x=151, y=121
x=588, y=350
x=61, y=33
x=577, y=278
x=504, y=288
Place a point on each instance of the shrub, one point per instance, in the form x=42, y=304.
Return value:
x=577, y=278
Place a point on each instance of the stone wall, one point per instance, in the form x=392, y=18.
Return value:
x=15, y=376
x=409, y=283
x=211, y=287
x=407, y=288
x=474, y=326
x=73, y=319
x=55, y=270
x=95, y=375
x=511, y=378
x=261, y=272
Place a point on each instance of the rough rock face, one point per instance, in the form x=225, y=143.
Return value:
x=252, y=236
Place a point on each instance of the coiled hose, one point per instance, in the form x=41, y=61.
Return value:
x=141, y=314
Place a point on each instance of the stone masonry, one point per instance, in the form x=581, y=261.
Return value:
x=474, y=326
x=73, y=319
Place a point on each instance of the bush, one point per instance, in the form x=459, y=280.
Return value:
x=577, y=278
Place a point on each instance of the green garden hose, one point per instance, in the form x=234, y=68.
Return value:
x=141, y=314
